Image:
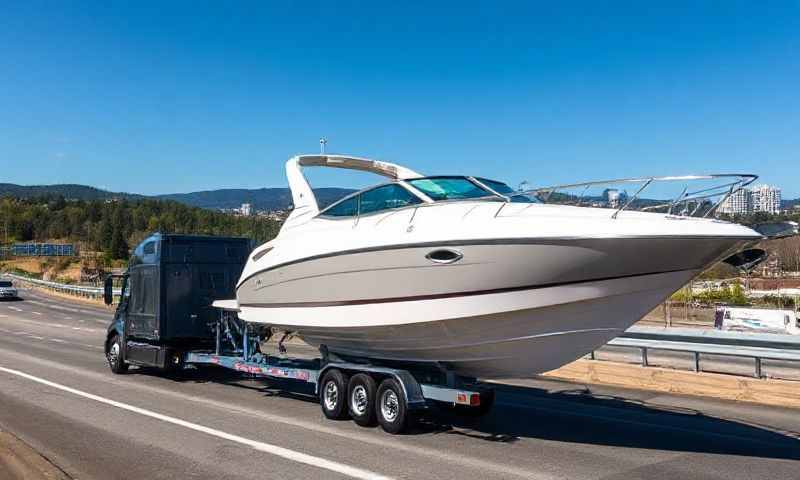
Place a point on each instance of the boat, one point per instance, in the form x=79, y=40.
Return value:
x=468, y=273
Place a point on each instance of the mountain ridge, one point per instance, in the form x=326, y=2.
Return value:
x=276, y=198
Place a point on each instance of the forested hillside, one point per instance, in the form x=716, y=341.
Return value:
x=114, y=227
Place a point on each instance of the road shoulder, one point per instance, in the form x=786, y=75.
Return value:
x=20, y=461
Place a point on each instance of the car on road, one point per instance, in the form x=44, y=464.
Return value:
x=7, y=290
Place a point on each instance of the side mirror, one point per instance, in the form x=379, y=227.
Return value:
x=108, y=290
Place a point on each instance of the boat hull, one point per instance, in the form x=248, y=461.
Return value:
x=505, y=309
x=516, y=333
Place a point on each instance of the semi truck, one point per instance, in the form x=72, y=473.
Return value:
x=176, y=312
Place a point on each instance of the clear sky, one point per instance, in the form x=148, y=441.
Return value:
x=169, y=97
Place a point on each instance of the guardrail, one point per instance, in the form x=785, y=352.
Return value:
x=759, y=347
x=95, y=293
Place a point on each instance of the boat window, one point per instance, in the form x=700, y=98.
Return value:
x=504, y=189
x=386, y=197
x=449, y=188
x=345, y=208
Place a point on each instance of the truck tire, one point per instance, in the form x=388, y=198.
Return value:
x=361, y=399
x=391, y=408
x=114, y=356
x=333, y=394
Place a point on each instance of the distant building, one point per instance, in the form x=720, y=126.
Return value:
x=766, y=199
x=246, y=210
x=762, y=198
x=740, y=203
x=614, y=198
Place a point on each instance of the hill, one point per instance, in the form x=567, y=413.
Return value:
x=261, y=198
x=67, y=190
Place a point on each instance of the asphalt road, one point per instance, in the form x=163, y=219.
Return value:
x=57, y=395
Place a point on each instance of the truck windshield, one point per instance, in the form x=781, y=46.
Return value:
x=5, y=284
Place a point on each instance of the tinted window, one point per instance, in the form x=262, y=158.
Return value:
x=149, y=248
x=386, y=197
x=504, y=189
x=346, y=208
x=5, y=284
x=449, y=188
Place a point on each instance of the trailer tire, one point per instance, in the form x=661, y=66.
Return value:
x=333, y=394
x=391, y=408
x=114, y=356
x=361, y=392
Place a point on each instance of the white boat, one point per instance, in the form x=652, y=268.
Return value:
x=468, y=273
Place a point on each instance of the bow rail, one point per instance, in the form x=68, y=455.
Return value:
x=698, y=201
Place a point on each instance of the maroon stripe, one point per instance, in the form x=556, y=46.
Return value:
x=436, y=296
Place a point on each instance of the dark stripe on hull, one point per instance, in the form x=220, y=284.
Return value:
x=496, y=241
x=445, y=295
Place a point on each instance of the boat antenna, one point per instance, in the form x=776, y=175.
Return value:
x=322, y=143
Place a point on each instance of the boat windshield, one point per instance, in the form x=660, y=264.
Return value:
x=460, y=188
x=449, y=188
x=504, y=189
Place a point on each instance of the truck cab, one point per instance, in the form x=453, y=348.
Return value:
x=166, y=296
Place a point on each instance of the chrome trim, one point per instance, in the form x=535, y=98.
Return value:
x=457, y=255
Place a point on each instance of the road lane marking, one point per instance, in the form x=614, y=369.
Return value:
x=276, y=450
x=36, y=313
x=58, y=340
x=15, y=309
x=37, y=337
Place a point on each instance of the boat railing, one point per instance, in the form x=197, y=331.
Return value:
x=698, y=201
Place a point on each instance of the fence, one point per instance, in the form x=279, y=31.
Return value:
x=39, y=250
x=700, y=342
x=95, y=293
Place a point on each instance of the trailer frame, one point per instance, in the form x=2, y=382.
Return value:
x=423, y=385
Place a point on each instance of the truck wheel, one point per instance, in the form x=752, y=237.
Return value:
x=390, y=407
x=333, y=395
x=114, y=356
x=361, y=399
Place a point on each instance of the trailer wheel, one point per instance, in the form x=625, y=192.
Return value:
x=333, y=395
x=361, y=399
x=390, y=407
x=114, y=356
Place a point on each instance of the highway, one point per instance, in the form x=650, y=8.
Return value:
x=58, y=396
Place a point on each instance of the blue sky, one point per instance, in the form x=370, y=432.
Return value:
x=157, y=99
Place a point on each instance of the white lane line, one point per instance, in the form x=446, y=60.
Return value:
x=3, y=316
x=15, y=309
x=36, y=313
x=37, y=337
x=58, y=340
x=67, y=318
x=282, y=452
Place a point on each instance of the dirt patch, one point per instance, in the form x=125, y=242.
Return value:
x=18, y=461
x=782, y=393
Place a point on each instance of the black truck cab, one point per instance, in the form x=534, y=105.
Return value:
x=167, y=291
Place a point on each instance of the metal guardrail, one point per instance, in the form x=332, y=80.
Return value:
x=75, y=290
x=759, y=347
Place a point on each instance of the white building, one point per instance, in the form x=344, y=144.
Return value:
x=762, y=198
x=246, y=210
x=740, y=203
x=766, y=199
